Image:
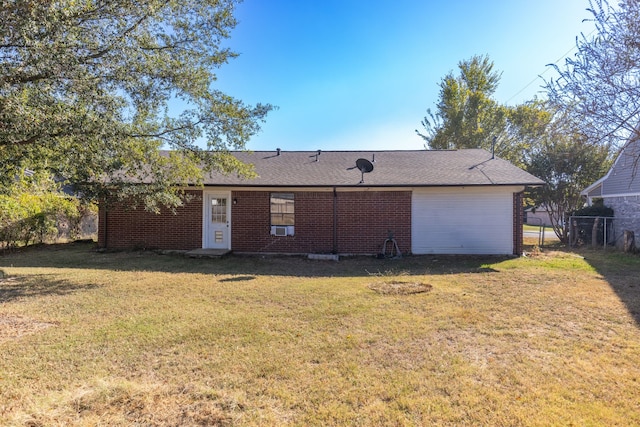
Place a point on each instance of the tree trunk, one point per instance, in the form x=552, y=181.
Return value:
x=629, y=241
x=573, y=232
x=594, y=232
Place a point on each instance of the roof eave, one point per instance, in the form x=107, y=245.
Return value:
x=593, y=186
x=362, y=185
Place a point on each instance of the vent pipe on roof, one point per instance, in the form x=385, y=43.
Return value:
x=318, y=154
x=277, y=151
x=493, y=148
x=373, y=157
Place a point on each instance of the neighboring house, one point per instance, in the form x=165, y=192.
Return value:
x=619, y=189
x=537, y=216
x=432, y=202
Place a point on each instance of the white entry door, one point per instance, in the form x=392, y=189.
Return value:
x=217, y=221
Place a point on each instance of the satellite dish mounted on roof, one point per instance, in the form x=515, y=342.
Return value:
x=365, y=166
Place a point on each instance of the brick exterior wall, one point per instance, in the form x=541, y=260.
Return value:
x=366, y=218
x=518, y=220
x=625, y=209
x=123, y=228
x=363, y=222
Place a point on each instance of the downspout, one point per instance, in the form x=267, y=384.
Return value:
x=103, y=226
x=335, y=221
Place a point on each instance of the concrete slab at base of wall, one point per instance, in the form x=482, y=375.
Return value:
x=324, y=257
x=207, y=253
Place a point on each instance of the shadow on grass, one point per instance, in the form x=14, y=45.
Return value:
x=238, y=279
x=84, y=256
x=12, y=288
x=622, y=272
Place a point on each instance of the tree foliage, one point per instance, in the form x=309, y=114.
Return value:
x=538, y=136
x=33, y=210
x=467, y=116
x=600, y=85
x=88, y=91
x=568, y=162
x=598, y=91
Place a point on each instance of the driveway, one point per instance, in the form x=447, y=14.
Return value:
x=548, y=234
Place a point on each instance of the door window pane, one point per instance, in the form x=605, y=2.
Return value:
x=219, y=210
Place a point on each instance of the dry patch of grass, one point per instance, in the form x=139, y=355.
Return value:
x=18, y=326
x=398, y=287
x=117, y=401
x=145, y=339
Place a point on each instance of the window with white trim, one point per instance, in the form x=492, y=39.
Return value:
x=282, y=209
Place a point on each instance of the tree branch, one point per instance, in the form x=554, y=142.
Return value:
x=166, y=131
x=33, y=139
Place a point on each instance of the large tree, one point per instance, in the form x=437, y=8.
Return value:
x=536, y=135
x=467, y=115
x=89, y=90
x=600, y=85
x=568, y=162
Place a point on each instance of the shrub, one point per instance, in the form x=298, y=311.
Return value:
x=594, y=211
x=27, y=218
x=583, y=226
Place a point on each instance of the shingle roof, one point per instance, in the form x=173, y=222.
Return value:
x=391, y=168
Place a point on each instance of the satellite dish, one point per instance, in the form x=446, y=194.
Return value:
x=365, y=166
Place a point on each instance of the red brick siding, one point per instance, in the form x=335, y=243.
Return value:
x=518, y=220
x=363, y=222
x=366, y=218
x=251, y=223
x=124, y=228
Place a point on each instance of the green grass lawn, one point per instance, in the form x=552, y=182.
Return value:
x=536, y=228
x=138, y=338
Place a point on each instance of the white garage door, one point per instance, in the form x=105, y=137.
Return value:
x=462, y=220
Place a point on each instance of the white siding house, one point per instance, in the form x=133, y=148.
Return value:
x=463, y=220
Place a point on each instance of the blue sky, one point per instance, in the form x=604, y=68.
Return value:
x=360, y=75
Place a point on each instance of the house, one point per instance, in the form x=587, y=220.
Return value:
x=619, y=189
x=537, y=216
x=341, y=202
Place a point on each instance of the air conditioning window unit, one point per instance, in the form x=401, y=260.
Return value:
x=282, y=230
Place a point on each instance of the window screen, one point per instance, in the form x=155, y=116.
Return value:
x=282, y=209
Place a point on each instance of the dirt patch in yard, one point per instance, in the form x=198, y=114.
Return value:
x=12, y=326
x=400, y=287
x=17, y=326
